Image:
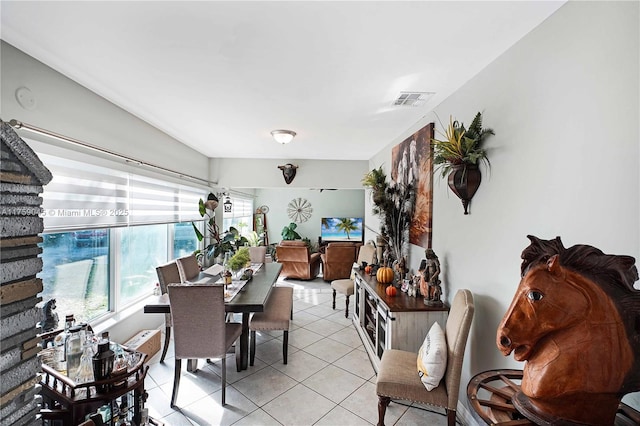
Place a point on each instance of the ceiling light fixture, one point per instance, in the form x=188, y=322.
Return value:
x=283, y=136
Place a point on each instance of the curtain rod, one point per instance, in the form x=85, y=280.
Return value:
x=20, y=125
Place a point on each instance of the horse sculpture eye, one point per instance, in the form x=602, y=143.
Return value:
x=535, y=295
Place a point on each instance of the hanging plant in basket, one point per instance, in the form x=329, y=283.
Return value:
x=458, y=155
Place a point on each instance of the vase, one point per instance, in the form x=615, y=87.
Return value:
x=464, y=180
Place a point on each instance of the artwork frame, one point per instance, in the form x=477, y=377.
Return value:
x=412, y=163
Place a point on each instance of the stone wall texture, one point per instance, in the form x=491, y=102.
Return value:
x=22, y=176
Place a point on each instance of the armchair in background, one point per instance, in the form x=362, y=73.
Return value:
x=338, y=259
x=297, y=261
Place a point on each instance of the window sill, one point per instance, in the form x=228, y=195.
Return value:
x=105, y=323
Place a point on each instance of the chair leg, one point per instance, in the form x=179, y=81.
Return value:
x=451, y=417
x=346, y=310
x=285, y=346
x=167, y=337
x=383, y=402
x=224, y=380
x=238, y=358
x=334, y=299
x=252, y=348
x=176, y=381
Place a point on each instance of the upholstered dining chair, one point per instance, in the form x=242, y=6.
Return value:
x=367, y=254
x=188, y=268
x=200, y=329
x=258, y=254
x=398, y=374
x=167, y=274
x=276, y=316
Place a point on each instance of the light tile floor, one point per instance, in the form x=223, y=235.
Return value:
x=328, y=380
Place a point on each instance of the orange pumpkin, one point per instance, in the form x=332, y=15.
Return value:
x=367, y=269
x=384, y=275
x=391, y=291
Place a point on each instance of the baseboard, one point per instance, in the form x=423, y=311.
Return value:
x=464, y=416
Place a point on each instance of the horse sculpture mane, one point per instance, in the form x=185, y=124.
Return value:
x=615, y=274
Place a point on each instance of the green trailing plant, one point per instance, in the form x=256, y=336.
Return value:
x=289, y=232
x=461, y=145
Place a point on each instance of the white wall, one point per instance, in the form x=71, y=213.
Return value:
x=564, y=104
x=264, y=173
x=340, y=203
x=67, y=108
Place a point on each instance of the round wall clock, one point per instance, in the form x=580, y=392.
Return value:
x=299, y=210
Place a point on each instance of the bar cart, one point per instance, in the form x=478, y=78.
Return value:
x=120, y=403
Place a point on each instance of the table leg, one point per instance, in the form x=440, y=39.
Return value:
x=244, y=341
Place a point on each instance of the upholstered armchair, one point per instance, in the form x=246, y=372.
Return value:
x=338, y=259
x=297, y=261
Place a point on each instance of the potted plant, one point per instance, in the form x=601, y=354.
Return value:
x=394, y=204
x=289, y=232
x=216, y=243
x=458, y=154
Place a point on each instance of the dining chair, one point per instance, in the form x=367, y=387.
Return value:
x=278, y=311
x=258, y=254
x=367, y=254
x=167, y=274
x=398, y=373
x=200, y=329
x=188, y=268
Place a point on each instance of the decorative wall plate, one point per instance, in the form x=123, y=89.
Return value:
x=299, y=210
x=264, y=209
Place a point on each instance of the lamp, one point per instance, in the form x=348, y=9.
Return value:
x=283, y=136
x=227, y=204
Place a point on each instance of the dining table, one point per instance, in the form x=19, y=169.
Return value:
x=251, y=298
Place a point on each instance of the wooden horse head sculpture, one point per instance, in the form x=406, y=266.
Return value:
x=575, y=320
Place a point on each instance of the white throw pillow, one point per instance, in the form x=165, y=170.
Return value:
x=432, y=357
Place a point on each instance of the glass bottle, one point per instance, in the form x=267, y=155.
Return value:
x=85, y=370
x=59, y=344
x=73, y=350
x=226, y=270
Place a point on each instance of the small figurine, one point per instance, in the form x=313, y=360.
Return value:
x=430, y=283
x=49, y=316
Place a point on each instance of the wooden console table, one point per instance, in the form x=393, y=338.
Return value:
x=384, y=322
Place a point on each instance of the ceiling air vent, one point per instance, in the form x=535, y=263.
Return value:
x=413, y=99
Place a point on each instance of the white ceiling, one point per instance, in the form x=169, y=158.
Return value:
x=219, y=76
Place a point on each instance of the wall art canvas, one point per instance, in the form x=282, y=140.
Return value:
x=411, y=163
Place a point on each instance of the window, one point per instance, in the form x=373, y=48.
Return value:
x=185, y=241
x=141, y=250
x=106, y=228
x=76, y=265
x=75, y=272
x=240, y=217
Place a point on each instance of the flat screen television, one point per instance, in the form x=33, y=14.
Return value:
x=342, y=229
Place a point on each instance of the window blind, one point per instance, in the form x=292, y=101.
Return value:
x=83, y=195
